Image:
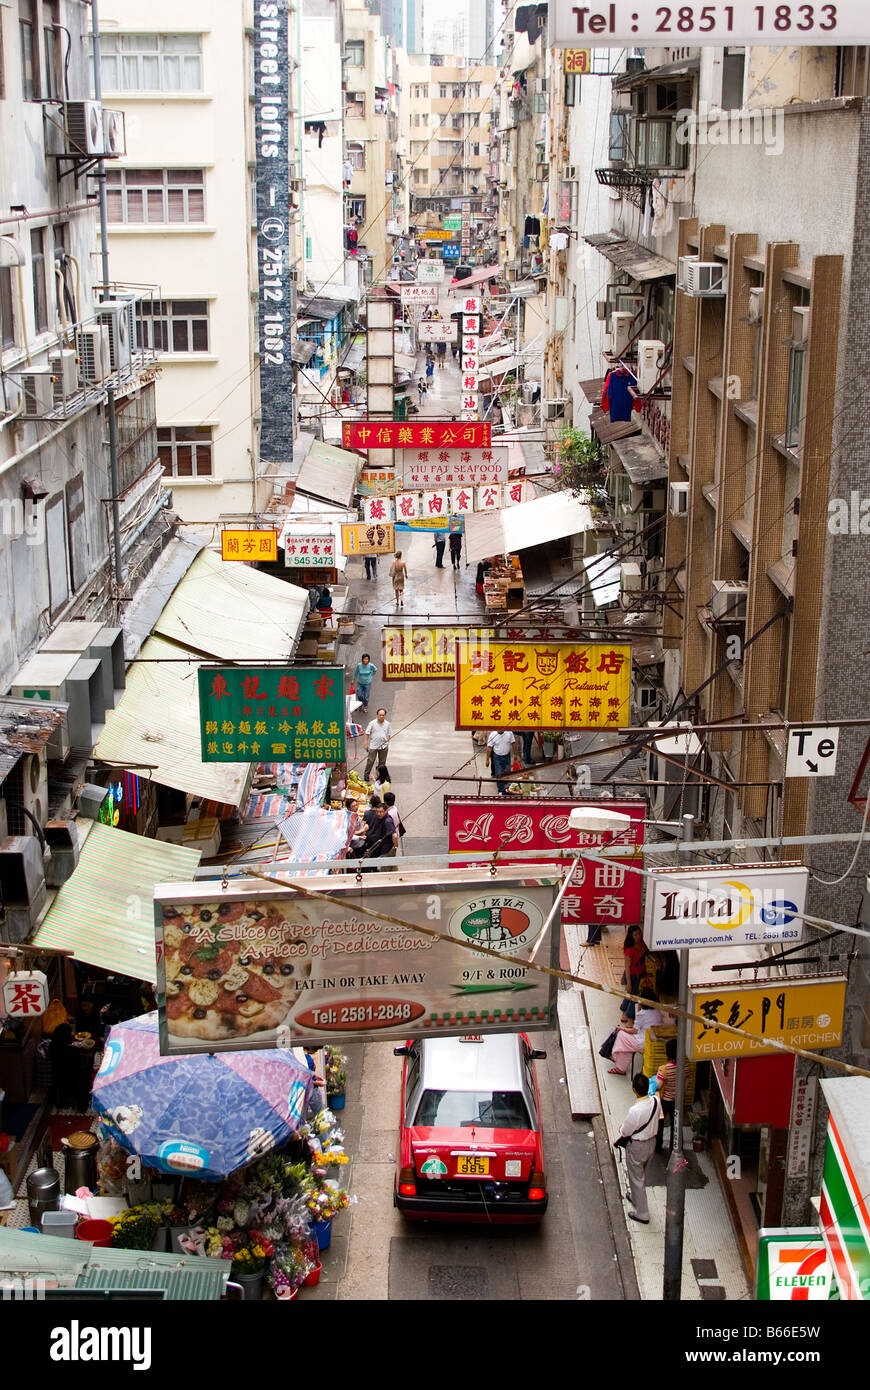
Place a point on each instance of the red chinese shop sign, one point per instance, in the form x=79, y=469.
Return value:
x=429, y=434
x=604, y=893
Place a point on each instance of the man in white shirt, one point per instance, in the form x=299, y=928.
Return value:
x=640, y=1127
x=377, y=741
x=499, y=751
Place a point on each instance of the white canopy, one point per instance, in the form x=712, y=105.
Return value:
x=529, y=523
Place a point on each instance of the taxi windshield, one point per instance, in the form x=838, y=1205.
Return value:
x=459, y=1109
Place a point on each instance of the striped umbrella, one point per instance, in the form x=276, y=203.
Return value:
x=204, y=1115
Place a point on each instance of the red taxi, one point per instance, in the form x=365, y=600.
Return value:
x=470, y=1146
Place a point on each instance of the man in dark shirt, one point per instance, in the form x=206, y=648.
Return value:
x=380, y=833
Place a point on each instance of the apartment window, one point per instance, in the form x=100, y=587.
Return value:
x=37, y=269
x=27, y=29
x=572, y=88
x=457, y=90
x=155, y=195
x=355, y=53
x=733, y=68
x=185, y=450
x=355, y=106
x=151, y=62
x=356, y=154
x=417, y=118
x=7, y=317
x=354, y=210
x=474, y=90
x=50, y=86
x=442, y=91
x=616, y=148
x=475, y=150
x=419, y=175
x=174, y=325
x=794, y=400
x=568, y=203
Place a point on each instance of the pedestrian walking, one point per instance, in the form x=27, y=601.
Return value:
x=439, y=544
x=638, y=1129
x=442, y=355
x=528, y=738
x=398, y=573
x=430, y=368
x=371, y=566
x=363, y=674
x=390, y=851
x=455, y=548
x=499, y=748
x=377, y=741
x=665, y=1085
x=421, y=390
x=313, y=596
x=632, y=1037
x=634, y=953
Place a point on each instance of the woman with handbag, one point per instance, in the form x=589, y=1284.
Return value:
x=630, y=1037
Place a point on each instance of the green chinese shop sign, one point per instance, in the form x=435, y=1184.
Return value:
x=262, y=713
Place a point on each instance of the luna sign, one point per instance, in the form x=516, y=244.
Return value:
x=744, y=904
x=271, y=100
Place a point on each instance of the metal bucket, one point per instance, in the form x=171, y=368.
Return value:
x=43, y=1194
x=80, y=1161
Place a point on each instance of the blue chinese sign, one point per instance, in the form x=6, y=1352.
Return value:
x=451, y=250
x=261, y=713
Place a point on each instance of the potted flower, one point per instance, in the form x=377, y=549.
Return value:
x=699, y=1121
x=551, y=741
x=336, y=1077
x=287, y=1272
x=325, y=1199
x=249, y=1263
x=138, y=1228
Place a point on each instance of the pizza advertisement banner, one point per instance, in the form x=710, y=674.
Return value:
x=428, y=434
x=259, y=713
x=424, y=653
x=253, y=965
x=542, y=685
x=609, y=893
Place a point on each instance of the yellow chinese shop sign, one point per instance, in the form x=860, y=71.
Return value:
x=249, y=545
x=542, y=685
x=363, y=538
x=424, y=653
x=799, y=1013
x=578, y=59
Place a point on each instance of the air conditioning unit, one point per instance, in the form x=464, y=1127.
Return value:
x=92, y=345
x=756, y=304
x=620, y=332
x=650, y=352
x=37, y=392
x=703, y=279
x=630, y=581
x=800, y=324
x=114, y=134
x=729, y=600
x=34, y=793
x=678, y=499
x=83, y=122
x=117, y=318
x=554, y=410
x=64, y=369
x=22, y=885
x=683, y=265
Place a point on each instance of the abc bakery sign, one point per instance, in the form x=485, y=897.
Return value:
x=745, y=903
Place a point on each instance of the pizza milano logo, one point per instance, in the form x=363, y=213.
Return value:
x=502, y=921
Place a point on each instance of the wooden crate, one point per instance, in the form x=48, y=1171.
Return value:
x=654, y=1057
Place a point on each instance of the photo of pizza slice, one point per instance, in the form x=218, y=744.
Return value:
x=232, y=969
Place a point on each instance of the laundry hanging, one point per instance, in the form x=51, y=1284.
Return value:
x=616, y=397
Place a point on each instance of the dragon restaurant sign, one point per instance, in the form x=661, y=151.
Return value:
x=600, y=893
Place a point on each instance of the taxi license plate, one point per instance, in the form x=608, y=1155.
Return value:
x=472, y=1166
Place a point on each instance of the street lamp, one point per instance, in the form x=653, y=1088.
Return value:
x=599, y=820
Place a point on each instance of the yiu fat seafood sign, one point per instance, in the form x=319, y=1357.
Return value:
x=257, y=965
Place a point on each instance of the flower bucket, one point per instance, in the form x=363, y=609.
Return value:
x=96, y=1231
x=284, y=1295
x=313, y=1278
x=336, y=1102
x=252, y=1284
x=323, y=1233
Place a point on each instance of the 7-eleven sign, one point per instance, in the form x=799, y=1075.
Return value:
x=843, y=1209
x=793, y=1266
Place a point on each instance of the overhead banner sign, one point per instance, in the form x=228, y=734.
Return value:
x=419, y=294
x=309, y=550
x=360, y=538
x=452, y=221
x=424, y=653
x=793, y=1265
x=292, y=972
x=373, y=481
x=249, y=545
x=625, y=23
x=437, y=234
x=436, y=330
x=429, y=434
x=259, y=713
x=798, y=1013
x=550, y=685
x=430, y=273
x=452, y=467
x=725, y=907
x=274, y=255
x=578, y=59
x=609, y=893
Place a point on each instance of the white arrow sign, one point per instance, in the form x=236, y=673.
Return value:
x=812, y=752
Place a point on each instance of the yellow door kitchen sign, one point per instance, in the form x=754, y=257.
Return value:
x=800, y=1013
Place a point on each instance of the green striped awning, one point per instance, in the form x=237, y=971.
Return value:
x=104, y=914
x=76, y=1264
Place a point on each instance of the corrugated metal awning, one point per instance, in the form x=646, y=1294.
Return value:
x=91, y=915
x=477, y=277
x=495, y=370
x=154, y=728
x=353, y=358
x=232, y=612
x=529, y=523
x=329, y=474
x=607, y=430
x=629, y=256
x=301, y=351
x=640, y=458
x=79, y=1264
x=682, y=68
x=593, y=390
